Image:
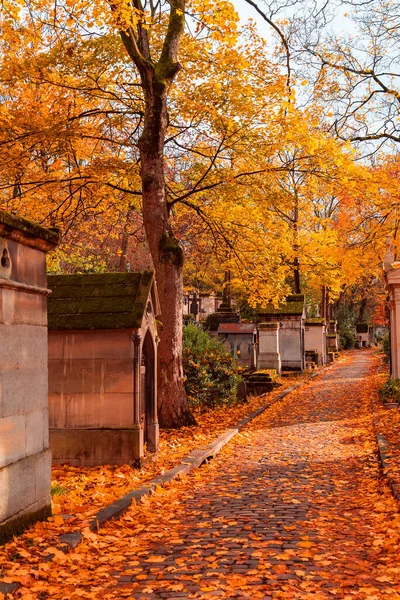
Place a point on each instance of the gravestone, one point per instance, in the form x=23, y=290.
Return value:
x=225, y=312
x=103, y=368
x=25, y=458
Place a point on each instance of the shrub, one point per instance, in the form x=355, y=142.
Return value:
x=390, y=391
x=347, y=339
x=386, y=346
x=211, y=373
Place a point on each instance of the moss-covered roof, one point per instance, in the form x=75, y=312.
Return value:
x=296, y=298
x=315, y=321
x=98, y=300
x=290, y=308
x=27, y=232
x=294, y=305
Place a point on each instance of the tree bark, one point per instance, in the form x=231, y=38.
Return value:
x=297, y=286
x=296, y=262
x=166, y=252
x=361, y=310
x=124, y=249
x=323, y=302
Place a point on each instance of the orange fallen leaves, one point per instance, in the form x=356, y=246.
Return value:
x=341, y=540
x=85, y=490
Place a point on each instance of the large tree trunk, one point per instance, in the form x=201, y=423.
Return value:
x=165, y=250
x=167, y=257
x=297, y=286
x=296, y=262
x=361, y=310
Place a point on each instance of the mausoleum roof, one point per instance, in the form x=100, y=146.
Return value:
x=100, y=300
x=27, y=233
x=294, y=305
x=236, y=328
x=289, y=308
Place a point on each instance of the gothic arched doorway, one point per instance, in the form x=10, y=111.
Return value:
x=147, y=390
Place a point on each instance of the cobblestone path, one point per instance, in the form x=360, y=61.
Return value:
x=294, y=507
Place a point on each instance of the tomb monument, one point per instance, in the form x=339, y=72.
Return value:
x=25, y=458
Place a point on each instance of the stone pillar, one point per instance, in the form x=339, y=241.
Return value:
x=394, y=306
x=138, y=444
x=25, y=458
x=153, y=429
x=391, y=270
x=268, y=347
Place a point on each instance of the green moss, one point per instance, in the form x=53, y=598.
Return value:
x=170, y=251
x=215, y=319
x=165, y=71
x=295, y=298
x=12, y=222
x=98, y=300
x=290, y=308
x=90, y=279
x=315, y=321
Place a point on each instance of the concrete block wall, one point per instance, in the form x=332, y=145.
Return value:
x=25, y=458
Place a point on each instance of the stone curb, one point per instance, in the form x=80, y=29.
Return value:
x=384, y=460
x=194, y=460
x=384, y=451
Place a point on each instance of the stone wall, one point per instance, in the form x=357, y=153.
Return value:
x=25, y=458
x=315, y=339
x=268, y=347
x=290, y=344
x=91, y=396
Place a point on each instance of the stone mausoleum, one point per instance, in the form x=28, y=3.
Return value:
x=241, y=340
x=315, y=340
x=103, y=368
x=363, y=335
x=392, y=283
x=268, y=347
x=291, y=318
x=25, y=458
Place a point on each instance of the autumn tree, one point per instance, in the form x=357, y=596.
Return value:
x=85, y=127
x=348, y=53
x=102, y=128
x=157, y=68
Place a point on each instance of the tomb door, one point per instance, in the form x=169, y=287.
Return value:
x=245, y=352
x=147, y=385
